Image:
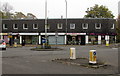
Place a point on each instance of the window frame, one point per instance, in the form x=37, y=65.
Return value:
x=34, y=26
x=113, y=26
x=71, y=25
x=60, y=26
x=99, y=26
x=24, y=26
x=47, y=26
x=86, y=24
x=14, y=26
x=4, y=26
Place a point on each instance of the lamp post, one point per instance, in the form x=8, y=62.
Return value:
x=46, y=21
x=66, y=21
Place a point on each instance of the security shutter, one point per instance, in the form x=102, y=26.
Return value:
x=60, y=40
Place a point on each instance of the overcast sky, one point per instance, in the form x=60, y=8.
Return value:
x=57, y=8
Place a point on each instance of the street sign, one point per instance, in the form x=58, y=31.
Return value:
x=43, y=40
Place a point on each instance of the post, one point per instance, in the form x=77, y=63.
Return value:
x=86, y=39
x=20, y=39
x=39, y=39
x=46, y=20
x=15, y=42
x=99, y=39
x=107, y=40
x=56, y=36
x=66, y=21
x=65, y=39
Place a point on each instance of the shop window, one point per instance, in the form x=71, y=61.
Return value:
x=97, y=25
x=35, y=26
x=85, y=25
x=72, y=26
x=15, y=26
x=59, y=25
x=5, y=26
x=113, y=26
x=25, y=26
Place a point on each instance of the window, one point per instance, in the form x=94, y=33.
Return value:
x=35, y=26
x=47, y=26
x=98, y=25
x=113, y=25
x=25, y=26
x=5, y=26
x=85, y=25
x=72, y=26
x=15, y=26
x=59, y=25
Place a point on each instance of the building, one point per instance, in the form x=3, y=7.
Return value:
x=80, y=31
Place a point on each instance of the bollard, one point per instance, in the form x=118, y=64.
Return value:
x=43, y=45
x=72, y=53
x=15, y=42
x=92, y=57
x=107, y=43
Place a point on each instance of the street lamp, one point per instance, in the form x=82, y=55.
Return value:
x=66, y=20
x=46, y=20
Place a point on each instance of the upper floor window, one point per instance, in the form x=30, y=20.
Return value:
x=113, y=26
x=35, y=26
x=98, y=25
x=85, y=25
x=47, y=26
x=59, y=25
x=72, y=26
x=25, y=26
x=5, y=26
x=15, y=26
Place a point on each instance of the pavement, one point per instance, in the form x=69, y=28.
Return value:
x=22, y=60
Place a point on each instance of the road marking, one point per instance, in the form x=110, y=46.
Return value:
x=114, y=48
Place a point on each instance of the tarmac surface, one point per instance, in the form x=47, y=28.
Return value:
x=22, y=60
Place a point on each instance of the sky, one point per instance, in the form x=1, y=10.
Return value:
x=57, y=8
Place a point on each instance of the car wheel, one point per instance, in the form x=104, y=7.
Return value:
x=3, y=48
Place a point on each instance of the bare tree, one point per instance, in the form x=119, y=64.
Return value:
x=7, y=8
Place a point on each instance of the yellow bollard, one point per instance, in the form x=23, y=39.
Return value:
x=15, y=43
x=92, y=57
x=72, y=53
x=107, y=43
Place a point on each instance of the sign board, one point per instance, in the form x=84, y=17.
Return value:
x=43, y=40
x=76, y=33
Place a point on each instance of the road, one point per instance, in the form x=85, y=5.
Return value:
x=22, y=60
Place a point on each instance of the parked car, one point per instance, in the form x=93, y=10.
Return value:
x=2, y=45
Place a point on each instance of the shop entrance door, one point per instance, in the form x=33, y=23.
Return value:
x=34, y=40
x=82, y=39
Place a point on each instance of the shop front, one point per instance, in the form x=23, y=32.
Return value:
x=93, y=40
x=60, y=40
x=76, y=38
x=54, y=38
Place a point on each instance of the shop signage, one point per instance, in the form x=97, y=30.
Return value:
x=76, y=33
x=3, y=33
x=102, y=34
